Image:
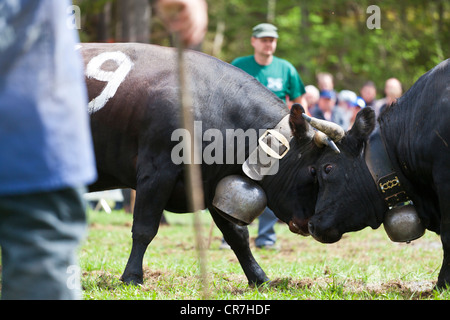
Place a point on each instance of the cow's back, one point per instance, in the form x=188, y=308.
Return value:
x=147, y=74
x=134, y=101
x=418, y=121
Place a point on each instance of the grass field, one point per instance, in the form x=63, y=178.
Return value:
x=363, y=265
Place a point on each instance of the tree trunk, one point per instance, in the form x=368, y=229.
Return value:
x=271, y=6
x=133, y=21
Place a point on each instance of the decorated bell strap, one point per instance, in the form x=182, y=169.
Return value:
x=401, y=222
x=383, y=172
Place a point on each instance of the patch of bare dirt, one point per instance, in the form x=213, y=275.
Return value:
x=407, y=289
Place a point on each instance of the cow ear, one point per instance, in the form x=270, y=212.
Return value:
x=298, y=124
x=364, y=124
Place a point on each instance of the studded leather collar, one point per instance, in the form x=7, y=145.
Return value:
x=383, y=172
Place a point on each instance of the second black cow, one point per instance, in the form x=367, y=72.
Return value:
x=414, y=143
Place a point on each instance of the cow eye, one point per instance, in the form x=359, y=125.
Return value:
x=328, y=168
x=312, y=171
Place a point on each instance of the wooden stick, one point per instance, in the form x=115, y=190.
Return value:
x=193, y=174
x=211, y=228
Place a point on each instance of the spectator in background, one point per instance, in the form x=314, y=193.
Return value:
x=355, y=107
x=311, y=97
x=346, y=100
x=277, y=74
x=326, y=109
x=392, y=90
x=325, y=106
x=369, y=93
x=325, y=81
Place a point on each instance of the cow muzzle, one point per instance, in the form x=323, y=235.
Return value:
x=239, y=199
x=299, y=226
x=322, y=228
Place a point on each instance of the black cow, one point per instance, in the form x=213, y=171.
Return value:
x=416, y=135
x=134, y=112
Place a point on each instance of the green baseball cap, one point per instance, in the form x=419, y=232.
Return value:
x=265, y=30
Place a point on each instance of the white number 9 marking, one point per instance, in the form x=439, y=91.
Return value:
x=114, y=78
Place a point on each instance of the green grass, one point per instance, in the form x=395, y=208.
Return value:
x=363, y=265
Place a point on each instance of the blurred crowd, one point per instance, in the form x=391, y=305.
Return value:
x=341, y=107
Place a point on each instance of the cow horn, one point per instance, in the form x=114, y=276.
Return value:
x=321, y=140
x=333, y=130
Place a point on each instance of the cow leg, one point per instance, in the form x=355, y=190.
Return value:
x=152, y=193
x=238, y=239
x=444, y=203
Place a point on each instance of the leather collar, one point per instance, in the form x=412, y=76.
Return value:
x=275, y=144
x=383, y=172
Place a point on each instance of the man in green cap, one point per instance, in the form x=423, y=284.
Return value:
x=276, y=74
x=279, y=76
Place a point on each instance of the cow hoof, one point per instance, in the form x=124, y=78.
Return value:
x=441, y=286
x=134, y=280
x=259, y=283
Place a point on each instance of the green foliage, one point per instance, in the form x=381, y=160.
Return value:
x=332, y=36
x=322, y=36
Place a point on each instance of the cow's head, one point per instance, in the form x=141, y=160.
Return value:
x=348, y=199
x=292, y=192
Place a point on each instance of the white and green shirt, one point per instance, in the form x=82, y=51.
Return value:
x=280, y=76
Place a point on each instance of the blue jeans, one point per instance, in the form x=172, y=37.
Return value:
x=266, y=232
x=39, y=235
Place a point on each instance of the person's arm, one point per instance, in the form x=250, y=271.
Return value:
x=301, y=99
x=297, y=90
x=189, y=18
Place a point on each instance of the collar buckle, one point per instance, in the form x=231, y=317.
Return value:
x=282, y=141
